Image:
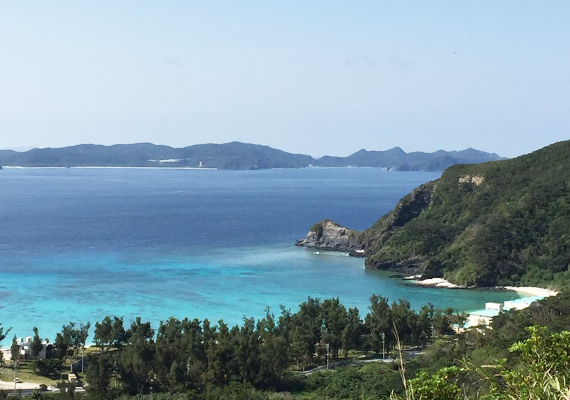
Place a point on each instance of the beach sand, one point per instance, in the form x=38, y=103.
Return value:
x=438, y=282
x=524, y=291
x=532, y=291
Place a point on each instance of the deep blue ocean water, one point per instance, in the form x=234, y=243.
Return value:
x=80, y=244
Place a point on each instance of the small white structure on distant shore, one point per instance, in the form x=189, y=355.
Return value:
x=26, y=350
x=522, y=303
x=485, y=317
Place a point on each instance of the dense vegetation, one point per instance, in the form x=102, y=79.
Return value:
x=191, y=355
x=189, y=359
x=233, y=156
x=497, y=223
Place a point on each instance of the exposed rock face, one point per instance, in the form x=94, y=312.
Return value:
x=475, y=179
x=407, y=209
x=407, y=267
x=410, y=207
x=328, y=235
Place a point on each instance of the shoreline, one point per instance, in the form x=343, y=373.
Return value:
x=108, y=167
x=433, y=282
x=523, y=291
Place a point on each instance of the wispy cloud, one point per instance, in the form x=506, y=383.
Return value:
x=397, y=60
x=361, y=60
x=173, y=63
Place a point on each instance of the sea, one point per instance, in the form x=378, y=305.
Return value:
x=78, y=244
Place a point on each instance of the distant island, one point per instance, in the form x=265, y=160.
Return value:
x=491, y=224
x=232, y=156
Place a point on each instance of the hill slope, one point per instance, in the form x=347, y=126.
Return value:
x=497, y=223
x=398, y=160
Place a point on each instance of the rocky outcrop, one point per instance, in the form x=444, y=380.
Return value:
x=406, y=267
x=328, y=235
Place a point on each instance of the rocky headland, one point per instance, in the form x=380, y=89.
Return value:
x=328, y=235
x=495, y=224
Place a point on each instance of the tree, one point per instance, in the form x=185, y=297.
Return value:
x=352, y=331
x=62, y=344
x=404, y=319
x=104, y=333
x=423, y=331
x=4, y=333
x=442, y=322
x=285, y=325
x=167, y=353
x=71, y=339
x=335, y=319
x=247, y=341
x=79, y=336
x=36, y=345
x=120, y=336
x=14, y=350
x=273, y=350
x=308, y=322
x=99, y=375
x=379, y=323
x=135, y=365
x=219, y=354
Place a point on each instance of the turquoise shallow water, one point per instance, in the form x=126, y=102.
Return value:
x=77, y=245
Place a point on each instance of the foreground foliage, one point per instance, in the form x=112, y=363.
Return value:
x=543, y=374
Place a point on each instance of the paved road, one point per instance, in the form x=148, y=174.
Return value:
x=344, y=363
x=27, y=388
x=20, y=385
x=359, y=362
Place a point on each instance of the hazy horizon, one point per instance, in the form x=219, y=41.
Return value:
x=24, y=149
x=316, y=78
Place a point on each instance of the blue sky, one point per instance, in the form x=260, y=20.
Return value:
x=313, y=77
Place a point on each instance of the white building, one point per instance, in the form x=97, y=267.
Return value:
x=26, y=350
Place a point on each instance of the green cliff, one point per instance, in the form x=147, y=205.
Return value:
x=496, y=223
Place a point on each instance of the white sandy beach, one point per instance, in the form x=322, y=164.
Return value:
x=532, y=291
x=438, y=282
x=525, y=291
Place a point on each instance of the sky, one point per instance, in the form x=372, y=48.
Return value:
x=313, y=77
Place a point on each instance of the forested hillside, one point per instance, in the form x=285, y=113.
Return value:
x=496, y=223
x=234, y=156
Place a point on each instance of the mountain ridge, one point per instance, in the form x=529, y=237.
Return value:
x=233, y=156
